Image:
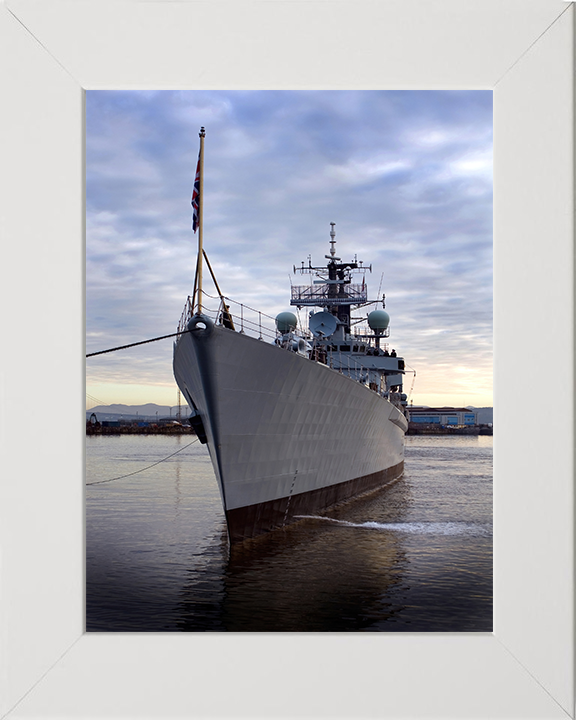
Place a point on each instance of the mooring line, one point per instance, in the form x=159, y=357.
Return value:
x=142, y=342
x=100, y=482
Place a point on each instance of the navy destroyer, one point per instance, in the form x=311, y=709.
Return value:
x=301, y=411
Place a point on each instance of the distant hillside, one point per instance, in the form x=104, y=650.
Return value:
x=149, y=411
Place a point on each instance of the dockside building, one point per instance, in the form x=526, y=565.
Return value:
x=442, y=417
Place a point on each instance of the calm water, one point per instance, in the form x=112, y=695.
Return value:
x=415, y=556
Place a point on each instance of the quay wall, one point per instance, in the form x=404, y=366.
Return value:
x=432, y=429
x=99, y=429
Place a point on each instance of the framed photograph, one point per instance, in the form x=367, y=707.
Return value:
x=52, y=52
x=280, y=514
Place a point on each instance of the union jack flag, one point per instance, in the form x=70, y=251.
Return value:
x=196, y=198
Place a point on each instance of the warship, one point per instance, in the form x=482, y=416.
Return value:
x=301, y=411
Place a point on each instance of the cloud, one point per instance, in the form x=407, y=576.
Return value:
x=406, y=176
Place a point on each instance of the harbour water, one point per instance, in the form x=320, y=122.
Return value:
x=415, y=556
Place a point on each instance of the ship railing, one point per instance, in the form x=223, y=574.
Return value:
x=186, y=315
x=320, y=295
x=356, y=370
x=245, y=319
x=368, y=334
x=340, y=361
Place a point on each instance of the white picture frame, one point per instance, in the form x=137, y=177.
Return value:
x=54, y=50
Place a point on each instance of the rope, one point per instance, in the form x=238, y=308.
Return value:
x=182, y=332
x=413, y=381
x=100, y=482
x=95, y=400
x=143, y=342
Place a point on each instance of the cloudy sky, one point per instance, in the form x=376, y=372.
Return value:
x=405, y=175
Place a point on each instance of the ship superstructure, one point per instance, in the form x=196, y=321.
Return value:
x=352, y=345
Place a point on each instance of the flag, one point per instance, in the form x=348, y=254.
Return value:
x=196, y=198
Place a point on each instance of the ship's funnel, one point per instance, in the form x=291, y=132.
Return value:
x=286, y=322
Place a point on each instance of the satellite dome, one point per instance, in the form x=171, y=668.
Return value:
x=286, y=322
x=378, y=320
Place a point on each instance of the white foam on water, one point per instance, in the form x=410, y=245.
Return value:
x=415, y=528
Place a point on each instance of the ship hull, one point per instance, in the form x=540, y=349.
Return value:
x=252, y=520
x=287, y=436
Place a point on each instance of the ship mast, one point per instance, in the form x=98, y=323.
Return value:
x=333, y=240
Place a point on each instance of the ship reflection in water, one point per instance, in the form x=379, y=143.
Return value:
x=415, y=556
x=309, y=577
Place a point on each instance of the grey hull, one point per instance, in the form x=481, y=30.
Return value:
x=287, y=436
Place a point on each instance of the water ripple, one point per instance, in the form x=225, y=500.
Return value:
x=416, y=528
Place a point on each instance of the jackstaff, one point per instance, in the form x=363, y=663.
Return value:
x=197, y=201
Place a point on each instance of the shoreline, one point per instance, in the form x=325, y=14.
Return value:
x=132, y=430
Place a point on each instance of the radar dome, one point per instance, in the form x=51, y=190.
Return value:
x=378, y=320
x=286, y=322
